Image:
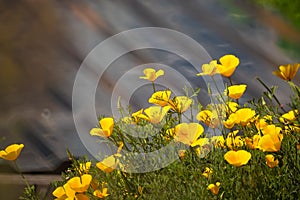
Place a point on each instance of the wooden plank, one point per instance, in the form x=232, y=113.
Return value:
x=36, y=179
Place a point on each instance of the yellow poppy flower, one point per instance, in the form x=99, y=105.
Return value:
x=289, y=116
x=270, y=142
x=180, y=103
x=80, y=184
x=136, y=114
x=263, y=122
x=109, y=164
x=214, y=188
x=218, y=141
x=244, y=115
x=209, y=118
x=11, y=152
x=209, y=69
x=233, y=140
x=231, y=107
x=60, y=193
x=228, y=65
x=151, y=74
x=252, y=143
x=237, y=158
x=271, y=129
x=270, y=161
x=207, y=172
x=160, y=98
x=101, y=193
x=235, y=91
x=154, y=114
x=107, y=126
x=230, y=122
x=287, y=72
x=85, y=167
x=188, y=133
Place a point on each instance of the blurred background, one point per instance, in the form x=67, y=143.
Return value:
x=43, y=44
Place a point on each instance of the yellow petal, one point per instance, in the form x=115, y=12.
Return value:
x=235, y=91
x=270, y=161
x=160, y=98
x=11, y=152
x=237, y=158
x=80, y=184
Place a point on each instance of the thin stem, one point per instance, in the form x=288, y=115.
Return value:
x=277, y=101
x=22, y=175
x=153, y=86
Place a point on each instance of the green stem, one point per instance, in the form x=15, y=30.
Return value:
x=153, y=86
x=22, y=175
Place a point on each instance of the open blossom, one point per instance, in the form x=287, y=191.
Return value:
x=107, y=126
x=207, y=172
x=233, y=140
x=289, y=116
x=160, y=98
x=189, y=133
x=210, y=118
x=11, y=152
x=180, y=103
x=287, y=72
x=237, y=158
x=214, y=188
x=228, y=65
x=271, y=140
x=151, y=74
x=235, y=91
x=209, y=69
x=154, y=114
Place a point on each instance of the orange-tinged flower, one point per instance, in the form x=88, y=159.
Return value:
x=101, y=193
x=270, y=142
x=214, y=188
x=270, y=161
x=209, y=69
x=151, y=74
x=287, y=72
x=154, y=114
x=80, y=184
x=235, y=91
x=107, y=126
x=207, y=172
x=160, y=98
x=210, y=118
x=271, y=129
x=237, y=158
x=180, y=103
x=228, y=65
x=11, y=152
x=188, y=133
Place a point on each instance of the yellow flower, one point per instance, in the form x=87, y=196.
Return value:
x=263, y=122
x=270, y=161
x=154, y=114
x=289, y=116
x=271, y=141
x=11, y=152
x=136, y=114
x=244, y=116
x=214, y=188
x=209, y=69
x=64, y=192
x=231, y=107
x=80, y=184
x=235, y=91
x=85, y=167
x=237, y=158
x=230, y=122
x=207, y=172
x=209, y=118
x=110, y=163
x=151, y=74
x=101, y=194
x=228, y=65
x=234, y=141
x=287, y=72
x=180, y=103
x=218, y=141
x=271, y=129
x=188, y=133
x=107, y=126
x=252, y=143
x=160, y=98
